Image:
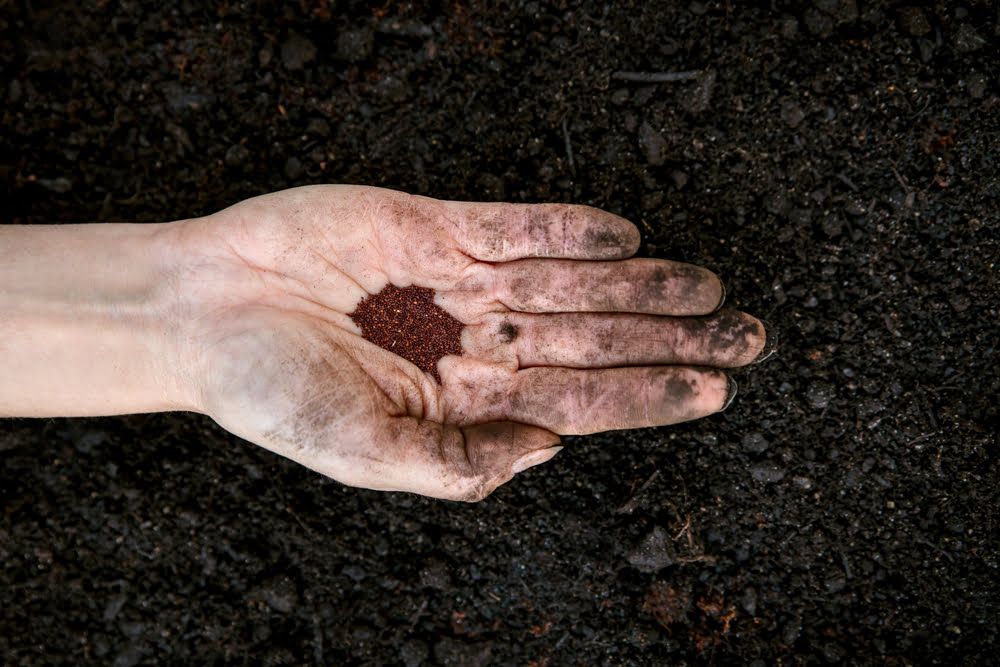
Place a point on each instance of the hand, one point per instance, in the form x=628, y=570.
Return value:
x=563, y=335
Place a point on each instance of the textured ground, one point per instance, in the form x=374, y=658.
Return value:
x=837, y=164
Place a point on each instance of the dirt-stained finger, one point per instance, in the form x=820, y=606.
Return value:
x=499, y=232
x=573, y=402
x=447, y=461
x=726, y=339
x=576, y=402
x=651, y=286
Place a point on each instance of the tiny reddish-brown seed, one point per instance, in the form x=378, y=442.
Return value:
x=406, y=321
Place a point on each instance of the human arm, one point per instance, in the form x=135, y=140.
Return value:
x=87, y=321
x=245, y=315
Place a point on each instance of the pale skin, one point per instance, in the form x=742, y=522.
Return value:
x=244, y=315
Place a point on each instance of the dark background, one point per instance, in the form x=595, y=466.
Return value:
x=835, y=162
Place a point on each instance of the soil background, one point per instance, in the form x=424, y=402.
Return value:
x=835, y=162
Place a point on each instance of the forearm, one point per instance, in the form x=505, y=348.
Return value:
x=85, y=325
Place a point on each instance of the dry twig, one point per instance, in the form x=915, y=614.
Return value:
x=656, y=77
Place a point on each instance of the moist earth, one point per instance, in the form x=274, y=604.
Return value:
x=835, y=162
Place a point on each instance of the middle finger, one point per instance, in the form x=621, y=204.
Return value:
x=651, y=286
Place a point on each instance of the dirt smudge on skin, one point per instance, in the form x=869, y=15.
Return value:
x=694, y=280
x=603, y=238
x=538, y=222
x=727, y=333
x=679, y=390
x=508, y=332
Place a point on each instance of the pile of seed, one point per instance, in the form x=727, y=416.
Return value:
x=406, y=321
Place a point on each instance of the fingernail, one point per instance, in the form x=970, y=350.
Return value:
x=733, y=389
x=534, y=458
x=722, y=300
x=770, y=343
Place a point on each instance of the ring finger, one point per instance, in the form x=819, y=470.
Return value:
x=726, y=339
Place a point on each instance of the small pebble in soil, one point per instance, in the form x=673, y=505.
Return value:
x=297, y=51
x=293, y=168
x=792, y=113
x=60, y=184
x=237, y=156
x=913, y=21
x=768, y=473
x=699, y=99
x=407, y=322
x=967, y=39
x=653, y=144
x=355, y=46
x=414, y=653
x=654, y=553
x=755, y=442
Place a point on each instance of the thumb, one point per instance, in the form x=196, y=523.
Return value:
x=445, y=461
x=535, y=458
x=499, y=450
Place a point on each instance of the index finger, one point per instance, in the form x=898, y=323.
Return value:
x=498, y=232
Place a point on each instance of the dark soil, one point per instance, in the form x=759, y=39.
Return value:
x=837, y=164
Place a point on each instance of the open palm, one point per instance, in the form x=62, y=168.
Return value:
x=563, y=335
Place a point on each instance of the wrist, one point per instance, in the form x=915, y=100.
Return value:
x=165, y=314
x=89, y=322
